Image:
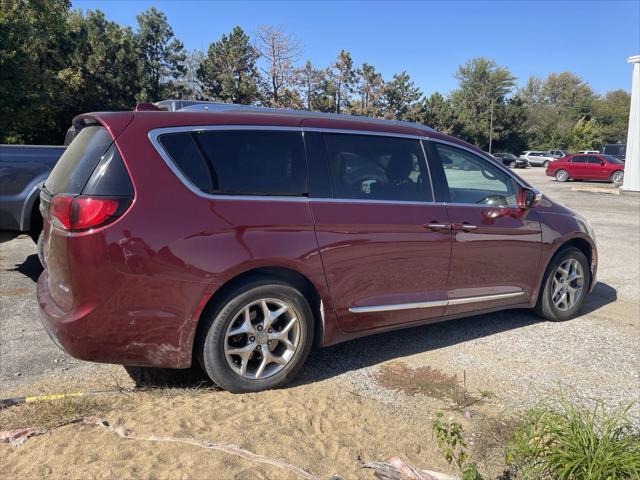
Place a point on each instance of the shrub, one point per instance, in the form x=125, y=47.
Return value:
x=569, y=441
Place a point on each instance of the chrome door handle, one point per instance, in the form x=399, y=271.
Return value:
x=467, y=227
x=435, y=226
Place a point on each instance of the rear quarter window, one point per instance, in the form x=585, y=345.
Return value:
x=79, y=160
x=240, y=162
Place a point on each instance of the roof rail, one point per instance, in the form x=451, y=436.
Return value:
x=216, y=107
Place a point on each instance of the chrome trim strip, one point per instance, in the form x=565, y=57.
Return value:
x=370, y=201
x=157, y=132
x=398, y=306
x=437, y=303
x=484, y=298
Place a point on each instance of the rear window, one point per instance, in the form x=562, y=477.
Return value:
x=79, y=161
x=240, y=162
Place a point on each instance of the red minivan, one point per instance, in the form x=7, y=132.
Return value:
x=239, y=238
x=587, y=167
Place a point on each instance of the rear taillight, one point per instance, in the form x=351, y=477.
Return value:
x=76, y=213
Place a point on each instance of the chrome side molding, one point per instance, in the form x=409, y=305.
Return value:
x=436, y=303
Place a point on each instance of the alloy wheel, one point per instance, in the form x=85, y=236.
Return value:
x=262, y=338
x=567, y=285
x=562, y=175
x=617, y=177
x=512, y=165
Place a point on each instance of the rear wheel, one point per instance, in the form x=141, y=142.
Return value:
x=40, y=249
x=546, y=163
x=565, y=285
x=562, y=175
x=258, y=338
x=617, y=177
x=512, y=164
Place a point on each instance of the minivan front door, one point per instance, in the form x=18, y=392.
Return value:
x=495, y=244
x=385, y=245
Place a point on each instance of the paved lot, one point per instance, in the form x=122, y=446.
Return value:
x=512, y=353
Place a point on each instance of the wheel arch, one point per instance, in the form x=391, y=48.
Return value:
x=283, y=274
x=582, y=244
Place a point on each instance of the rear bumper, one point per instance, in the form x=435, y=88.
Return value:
x=100, y=334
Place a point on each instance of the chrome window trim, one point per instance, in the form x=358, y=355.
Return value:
x=436, y=303
x=154, y=135
x=370, y=201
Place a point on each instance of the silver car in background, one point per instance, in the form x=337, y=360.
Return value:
x=537, y=158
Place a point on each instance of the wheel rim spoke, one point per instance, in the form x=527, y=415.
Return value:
x=567, y=284
x=262, y=338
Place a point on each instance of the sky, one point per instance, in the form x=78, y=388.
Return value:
x=428, y=39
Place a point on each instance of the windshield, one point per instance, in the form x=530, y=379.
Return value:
x=612, y=159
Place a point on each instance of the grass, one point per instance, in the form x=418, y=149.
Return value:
x=47, y=414
x=431, y=382
x=570, y=441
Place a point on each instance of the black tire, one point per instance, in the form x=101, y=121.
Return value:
x=560, y=177
x=211, y=335
x=546, y=163
x=545, y=307
x=512, y=165
x=40, y=249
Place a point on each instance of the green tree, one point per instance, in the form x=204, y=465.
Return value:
x=612, y=113
x=229, y=71
x=370, y=90
x=569, y=94
x=34, y=45
x=585, y=135
x=103, y=71
x=163, y=55
x=308, y=80
x=343, y=77
x=437, y=112
x=483, y=88
x=401, y=98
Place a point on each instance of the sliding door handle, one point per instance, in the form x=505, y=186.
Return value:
x=436, y=226
x=464, y=226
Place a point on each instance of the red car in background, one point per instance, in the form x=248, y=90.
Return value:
x=587, y=167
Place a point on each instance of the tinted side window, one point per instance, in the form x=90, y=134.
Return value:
x=247, y=162
x=593, y=160
x=578, y=160
x=377, y=168
x=78, y=161
x=472, y=179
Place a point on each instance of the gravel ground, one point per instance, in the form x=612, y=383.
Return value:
x=513, y=353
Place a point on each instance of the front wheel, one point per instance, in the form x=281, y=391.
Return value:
x=546, y=163
x=617, y=177
x=564, y=286
x=512, y=165
x=562, y=175
x=258, y=338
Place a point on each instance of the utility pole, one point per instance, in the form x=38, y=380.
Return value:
x=491, y=127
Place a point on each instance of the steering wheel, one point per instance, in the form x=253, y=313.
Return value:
x=493, y=200
x=488, y=175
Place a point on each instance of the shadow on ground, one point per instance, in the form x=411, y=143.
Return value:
x=375, y=349
x=31, y=267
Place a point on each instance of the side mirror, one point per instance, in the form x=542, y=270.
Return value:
x=528, y=198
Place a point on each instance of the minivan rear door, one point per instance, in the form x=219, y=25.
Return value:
x=384, y=243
